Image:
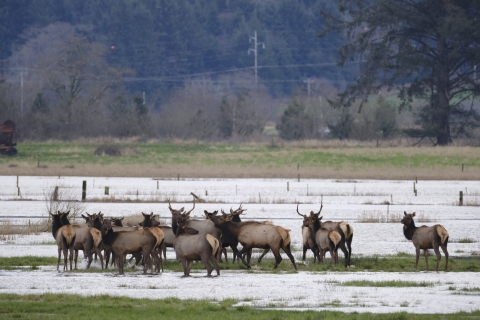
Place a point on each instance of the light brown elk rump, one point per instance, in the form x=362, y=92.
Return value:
x=425, y=238
x=65, y=238
x=192, y=246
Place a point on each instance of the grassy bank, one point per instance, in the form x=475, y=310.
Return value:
x=396, y=263
x=189, y=160
x=56, y=306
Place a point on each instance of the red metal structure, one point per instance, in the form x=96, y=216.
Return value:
x=7, y=139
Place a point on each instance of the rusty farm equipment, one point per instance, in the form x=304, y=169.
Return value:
x=7, y=139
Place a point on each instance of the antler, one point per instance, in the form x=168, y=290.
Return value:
x=188, y=213
x=299, y=212
x=321, y=206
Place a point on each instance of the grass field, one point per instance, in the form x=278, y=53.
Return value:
x=314, y=159
x=401, y=262
x=56, y=306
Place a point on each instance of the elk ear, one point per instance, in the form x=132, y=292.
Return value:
x=413, y=214
x=404, y=213
x=151, y=214
x=67, y=213
x=320, y=218
x=143, y=214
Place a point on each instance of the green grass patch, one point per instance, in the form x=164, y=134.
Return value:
x=31, y=262
x=395, y=263
x=392, y=283
x=58, y=306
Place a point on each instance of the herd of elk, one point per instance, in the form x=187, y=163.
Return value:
x=203, y=240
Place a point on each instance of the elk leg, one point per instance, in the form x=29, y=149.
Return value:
x=349, y=246
x=305, y=253
x=278, y=257
x=240, y=254
x=345, y=253
x=425, y=253
x=439, y=257
x=59, y=257
x=263, y=255
x=417, y=252
x=445, y=252
x=99, y=253
x=217, y=267
x=224, y=251
x=289, y=254
x=189, y=267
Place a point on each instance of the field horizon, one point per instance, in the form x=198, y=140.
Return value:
x=306, y=160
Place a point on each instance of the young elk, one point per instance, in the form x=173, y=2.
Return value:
x=65, y=237
x=88, y=239
x=426, y=238
x=191, y=246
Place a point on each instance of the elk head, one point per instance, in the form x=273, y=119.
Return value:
x=407, y=219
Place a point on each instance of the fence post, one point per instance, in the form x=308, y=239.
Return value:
x=299, y=177
x=55, y=194
x=107, y=191
x=288, y=186
x=460, y=200
x=84, y=190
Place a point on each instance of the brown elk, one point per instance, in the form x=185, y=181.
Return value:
x=65, y=237
x=88, y=239
x=125, y=241
x=426, y=238
x=324, y=239
x=343, y=228
x=190, y=245
x=202, y=226
x=307, y=240
x=167, y=231
x=253, y=234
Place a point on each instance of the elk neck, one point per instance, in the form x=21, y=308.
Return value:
x=409, y=231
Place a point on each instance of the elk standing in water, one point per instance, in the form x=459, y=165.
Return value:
x=65, y=237
x=253, y=234
x=202, y=226
x=88, y=239
x=426, y=238
x=325, y=240
x=191, y=246
x=308, y=240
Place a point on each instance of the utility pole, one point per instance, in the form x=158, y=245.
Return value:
x=308, y=82
x=255, y=44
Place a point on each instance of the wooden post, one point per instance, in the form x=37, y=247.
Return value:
x=17, y=181
x=460, y=200
x=206, y=192
x=391, y=198
x=259, y=198
x=388, y=211
x=288, y=186
x=414, y=187
x=157, y=184
x=307, y=189
x=416, y=181
x=178, y=176
x=299, y=177
x=55, y=194
x=84, y=190
x=107, y=191
x=18, y=191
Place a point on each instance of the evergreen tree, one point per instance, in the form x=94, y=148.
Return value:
x=295, y=123
x=429, y=49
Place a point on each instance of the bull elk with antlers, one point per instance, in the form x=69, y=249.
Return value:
x=253, y=234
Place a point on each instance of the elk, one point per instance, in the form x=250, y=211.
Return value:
x=308, y=241
x=426, y=238
x=190, y=245
x=202, y=226
x=167, y=230
x=132, y=240
x=87, y=238
x=253, y=234
x=324, y=239
x=236, y=218
x=346, y=231
x=65, y=237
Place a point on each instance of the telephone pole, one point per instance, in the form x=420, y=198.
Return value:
x=308, y=82
x=254, y=49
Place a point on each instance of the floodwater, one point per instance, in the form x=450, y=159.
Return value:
x=23, y=200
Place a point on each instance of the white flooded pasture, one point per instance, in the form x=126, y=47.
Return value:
x=22, y=199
